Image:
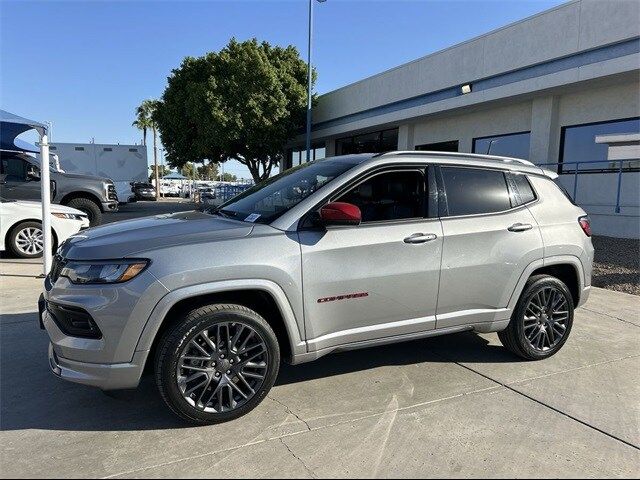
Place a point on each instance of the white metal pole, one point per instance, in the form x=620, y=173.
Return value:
x=309, y=81
x=46, y=202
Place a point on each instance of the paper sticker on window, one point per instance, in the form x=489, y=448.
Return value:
x=252, y=218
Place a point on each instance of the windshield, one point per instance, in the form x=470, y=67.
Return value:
x=268, y=200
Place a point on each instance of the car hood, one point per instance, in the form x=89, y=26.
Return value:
x=90, y=178
x=133, y=237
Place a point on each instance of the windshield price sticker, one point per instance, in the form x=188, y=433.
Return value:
x=252, y=218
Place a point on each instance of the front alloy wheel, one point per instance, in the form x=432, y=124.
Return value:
x=217, y=364
x=222, y=367
x=26, y=240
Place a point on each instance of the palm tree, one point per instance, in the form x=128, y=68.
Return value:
x=144, y=120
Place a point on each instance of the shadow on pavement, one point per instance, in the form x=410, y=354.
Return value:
x=461, y=347
x=32, y=398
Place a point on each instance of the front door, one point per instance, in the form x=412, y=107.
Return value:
x=378, y=279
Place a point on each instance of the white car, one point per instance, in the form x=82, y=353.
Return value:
x=21, y=226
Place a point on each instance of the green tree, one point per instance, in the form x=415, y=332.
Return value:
x=208, y=172
x=163, y=170
x=189, y=170
x=145, y=119
x=229, y=177
x=244, y=102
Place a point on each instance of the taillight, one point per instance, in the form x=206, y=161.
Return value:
x=585, y=223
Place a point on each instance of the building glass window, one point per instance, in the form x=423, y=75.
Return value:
x=605, y=142
x=374, y=142
x=510, y=145
x=451, y=146
x=298, y=156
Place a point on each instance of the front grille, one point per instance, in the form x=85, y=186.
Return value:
x=56, y=268
x=74, y=321
x=111, y=192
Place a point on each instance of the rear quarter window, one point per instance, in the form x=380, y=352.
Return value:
x=521, y=190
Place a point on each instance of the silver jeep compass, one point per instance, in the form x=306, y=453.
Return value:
x=333, y=255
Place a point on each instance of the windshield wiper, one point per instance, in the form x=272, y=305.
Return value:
x=225, y=213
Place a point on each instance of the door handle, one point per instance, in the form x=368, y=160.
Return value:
x=420, y=238
x=520, y=227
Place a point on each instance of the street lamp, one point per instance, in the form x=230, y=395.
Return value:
x=310, y=77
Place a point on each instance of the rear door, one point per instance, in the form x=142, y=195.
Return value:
x=16, y=184
x=489, y=239
x=378, y=279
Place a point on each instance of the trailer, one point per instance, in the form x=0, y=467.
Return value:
x=123, y=164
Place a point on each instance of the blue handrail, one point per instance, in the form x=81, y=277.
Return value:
x=577, y=171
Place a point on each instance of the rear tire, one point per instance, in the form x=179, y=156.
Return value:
x=542, y=320
x=217, y=363
x=89, y=207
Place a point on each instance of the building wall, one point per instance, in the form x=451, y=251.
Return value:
x=545, y=116
x=574, y=27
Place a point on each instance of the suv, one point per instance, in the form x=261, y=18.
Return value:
x=337, y=254
x=20, y=180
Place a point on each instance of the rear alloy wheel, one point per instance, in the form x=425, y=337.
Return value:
x=218, y=365
x=542, y=320
x=545, y=319
x=26, y=240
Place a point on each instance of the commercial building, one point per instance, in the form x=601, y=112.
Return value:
x=557, y=88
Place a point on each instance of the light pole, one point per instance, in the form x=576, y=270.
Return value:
x=310, y=77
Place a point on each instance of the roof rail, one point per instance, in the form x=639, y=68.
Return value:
x=457, y=155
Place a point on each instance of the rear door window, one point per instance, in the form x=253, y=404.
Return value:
x=472, y=191
x=13, y=168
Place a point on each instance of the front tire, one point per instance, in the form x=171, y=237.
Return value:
x=542, y=320
x=217, y=364
x=89, y=207
x=26, y=240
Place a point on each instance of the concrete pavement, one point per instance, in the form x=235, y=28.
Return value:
x=457, y=406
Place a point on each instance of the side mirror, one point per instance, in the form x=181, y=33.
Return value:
x=340, y=213
x=33, y=174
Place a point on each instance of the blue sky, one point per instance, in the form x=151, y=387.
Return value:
x=86, y=65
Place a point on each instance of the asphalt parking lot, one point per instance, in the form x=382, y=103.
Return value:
x=456, y=406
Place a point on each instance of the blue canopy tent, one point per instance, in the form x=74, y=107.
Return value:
x=11, y=126
x=174, y=176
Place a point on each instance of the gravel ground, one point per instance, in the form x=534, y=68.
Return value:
x=617, y=264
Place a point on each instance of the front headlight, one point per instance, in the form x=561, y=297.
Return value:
x=106, y=271
x=69, y=216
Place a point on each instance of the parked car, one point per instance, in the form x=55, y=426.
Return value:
x=21, y=226
x=20, y=180
x=144, y=191
x=337, y=254
x=208, y=196
x=170, y=190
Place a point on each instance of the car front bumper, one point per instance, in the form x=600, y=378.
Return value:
x=110, y=206
x=118, y=376
x=112, y=361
